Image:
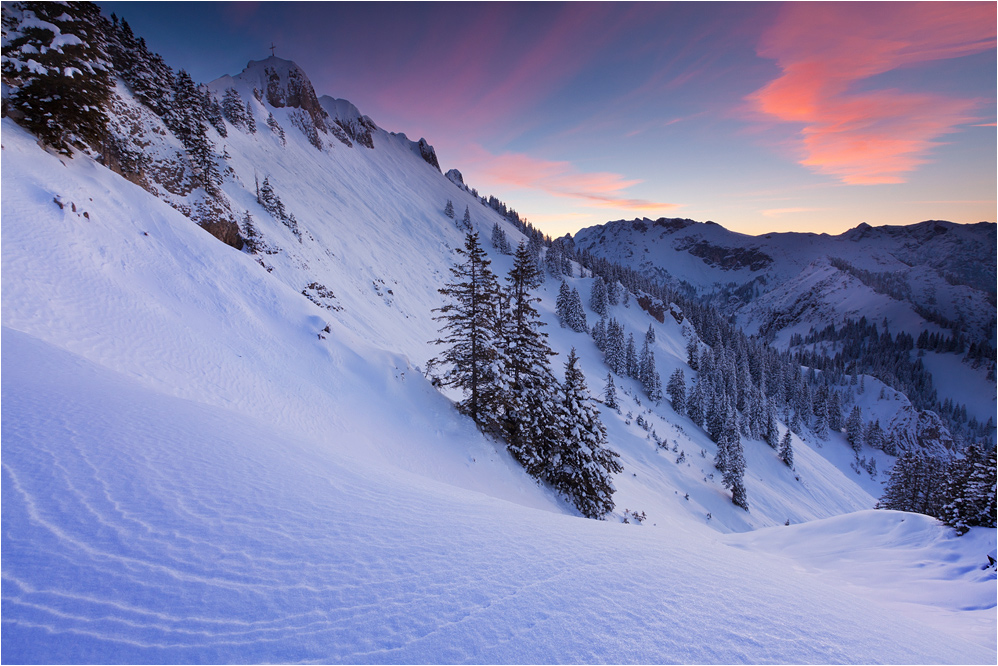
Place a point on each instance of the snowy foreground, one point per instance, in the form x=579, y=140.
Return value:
x=192, y=474
x=142, y=527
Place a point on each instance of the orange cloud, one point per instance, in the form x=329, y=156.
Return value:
x=825, y=49
x=562, y=179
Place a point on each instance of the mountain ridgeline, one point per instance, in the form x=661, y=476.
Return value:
x=362, y=222
x=908, y=305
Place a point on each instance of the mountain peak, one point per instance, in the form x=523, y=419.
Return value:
x=283, y=84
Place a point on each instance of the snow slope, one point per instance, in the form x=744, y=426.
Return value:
x=195, y=470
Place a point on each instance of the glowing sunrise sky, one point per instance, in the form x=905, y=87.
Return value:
x=762, y=117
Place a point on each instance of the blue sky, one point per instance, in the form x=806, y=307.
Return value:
x=760, y=116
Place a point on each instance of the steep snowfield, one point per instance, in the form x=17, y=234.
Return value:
x=193, y=470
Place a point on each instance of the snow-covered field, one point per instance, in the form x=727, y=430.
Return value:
x=192, y=473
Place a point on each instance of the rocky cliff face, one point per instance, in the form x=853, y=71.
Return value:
x=284, y=84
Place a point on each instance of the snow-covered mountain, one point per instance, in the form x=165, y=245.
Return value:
x=228, y=451
x=933, y=277
x=939, y=267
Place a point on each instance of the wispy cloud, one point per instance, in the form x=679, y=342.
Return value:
x=825, y=49
x=558, y=178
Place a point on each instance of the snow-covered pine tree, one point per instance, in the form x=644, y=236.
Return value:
x=734, y=467
x=613, y=291
x=576, y=315
x=874, y=435
x=721, y=457
x=599, y=334
x=854, y=429
x=610, y=391
x=695, y=403
x=57, y=70
x=650, y=335
x=716, y=412
x=563, y=303
x=648, y=374
x=631, y=358
x=250, y=120
x=276, y=128
x=499, y=239
x=772, y=432
x=530, y=412
x=470, y=331
x=598, y=298
x=449, y=209
x=821, y=421
x=233, y=109
x=960, y=507
x=693, y=353
x=270, y=201
x=834, y=406
x=786, y=451
x=552, y=260
x=982, y=488
x=466, y=220
x=583, y=464
x=614, y=356
x=146, y=74
x=677, y=390
x=213, y=112
x=188, y=120
x=916, y=485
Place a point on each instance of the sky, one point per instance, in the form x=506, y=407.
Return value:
x=762, y=117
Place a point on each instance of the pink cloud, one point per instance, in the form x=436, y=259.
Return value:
x=562, y=179
x=825, y=49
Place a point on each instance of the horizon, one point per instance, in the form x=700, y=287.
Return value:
x=770, y=120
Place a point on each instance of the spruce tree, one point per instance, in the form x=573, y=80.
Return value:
x=614, y=356
x=772, y=432
x=610, y=392
x=613, y=292
x=631, y=359
x=563, y=303
x=734, y=468
x=695, y=403
x=145, y=73
x=57, y=70
x=276, y=128
x=583, y=465
x=599, y=335
x=648, y=374
x=471, y=331
x=874, y=435
x=187, y=118
x=598, y=297
x=576, y=315
x=677, y=391
x=466, y=220
x=786, y=452
x=959, y=509
x=529, y=406
x=719, y=438
x=693, y=354
x=233, y=109
x=499, y=239
x=449, y=209
x=552, y=260
x=716, y=412
x=250, y=120
x=854, y=429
